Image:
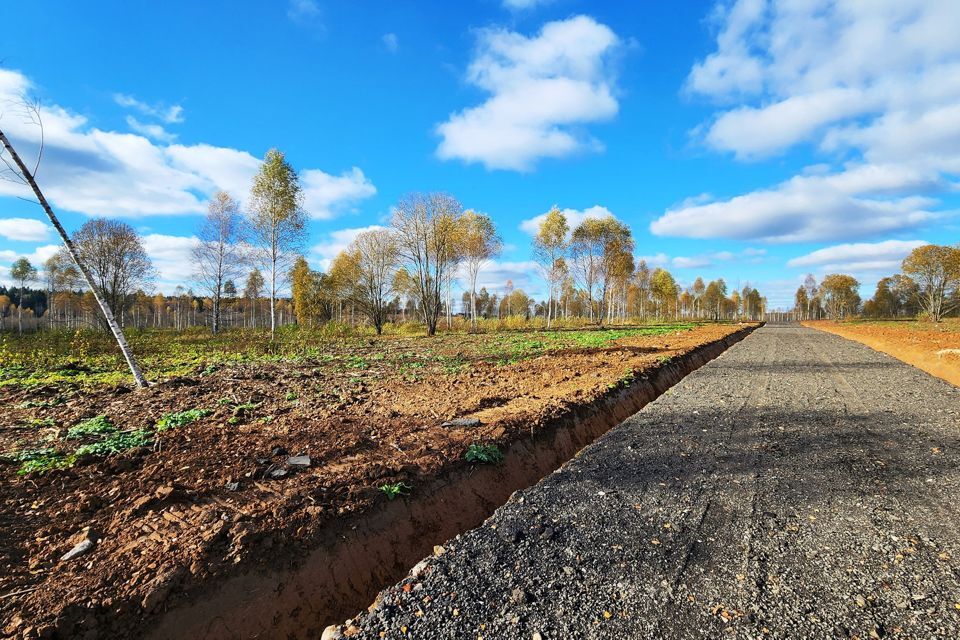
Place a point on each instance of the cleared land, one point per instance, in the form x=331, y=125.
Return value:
x=191, y=480
x=935, y=348
x=798, y=486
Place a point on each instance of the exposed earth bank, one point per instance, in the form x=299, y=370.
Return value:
x=934, y=348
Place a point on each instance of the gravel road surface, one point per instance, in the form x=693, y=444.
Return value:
x=799, y=486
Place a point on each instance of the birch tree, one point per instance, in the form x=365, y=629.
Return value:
x=549, y=250
x=479, y=243
x=427, y=230
x=17, y=171
x=371, y=265
x=22, y=272
x=217, y=256
x=936, y=269
x=277, y=221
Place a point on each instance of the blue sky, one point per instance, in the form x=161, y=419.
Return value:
x=755, y=140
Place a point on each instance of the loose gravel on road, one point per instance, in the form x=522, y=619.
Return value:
x=799, y=486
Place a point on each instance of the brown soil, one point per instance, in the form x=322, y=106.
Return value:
x=167, y=524
x=932, y=348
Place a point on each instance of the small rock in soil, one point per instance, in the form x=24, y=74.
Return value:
x=232, y=486
x=331, y=633
x=299, y=461
x=82, y=548
x=278, y=451
x=462, y=422
x=276, y=474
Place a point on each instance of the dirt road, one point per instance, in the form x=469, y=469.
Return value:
x=799, y=486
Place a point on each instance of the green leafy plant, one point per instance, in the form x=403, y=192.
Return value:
x=243, y=408
x=117, y=443
x=291, y=396
x=180, y=419
x=98, y=426
x=485, y=453
x=39, y=460
x=392, y=490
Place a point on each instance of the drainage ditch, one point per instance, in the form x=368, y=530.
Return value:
x=360, y=556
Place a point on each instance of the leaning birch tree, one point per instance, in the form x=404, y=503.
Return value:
x=277, y=221
x=17, y=171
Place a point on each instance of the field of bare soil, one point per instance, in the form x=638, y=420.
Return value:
x=228, y=464
x=934, y=348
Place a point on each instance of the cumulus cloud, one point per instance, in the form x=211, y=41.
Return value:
x=168, y=114
x=325, y=195
x=336, y=241
x=36, y=257
x=543, y=89
x=874, y=83
x=153, y=131
x=574, y=218
x=171, y=258
x=24, y=229
x=859, y=256
x=854, y=203
x=108, y=173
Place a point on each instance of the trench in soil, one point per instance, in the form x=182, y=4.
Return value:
x=361, y=555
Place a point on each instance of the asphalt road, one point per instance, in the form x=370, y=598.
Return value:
x=799, y=486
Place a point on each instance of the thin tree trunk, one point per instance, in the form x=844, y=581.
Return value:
x=108, y=315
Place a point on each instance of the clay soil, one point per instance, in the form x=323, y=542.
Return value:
x=934, y=348
x=201, y=502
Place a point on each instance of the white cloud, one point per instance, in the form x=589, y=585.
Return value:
x=874, y=83
x=391, y=42
x=574, y=218
x=657, y=260
x=851, y=204
x=36, y=257
x=858, y=257
x=153, y=131
x=542, y=90
x=170, y=115
x=691, y=262
x=521, y=5
x=523, y=274
x=108, y=173
x=24, y=229
x=335, y=242
x=172, y=259
x=325, y=195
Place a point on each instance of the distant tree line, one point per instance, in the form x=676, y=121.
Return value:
x=927, y=288
x=243, y=260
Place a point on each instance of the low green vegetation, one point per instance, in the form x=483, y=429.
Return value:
x=98, y=426
x=117, y=443
x=485, y=453
x=392, y=490
x=180, y=419
x=89, y=358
